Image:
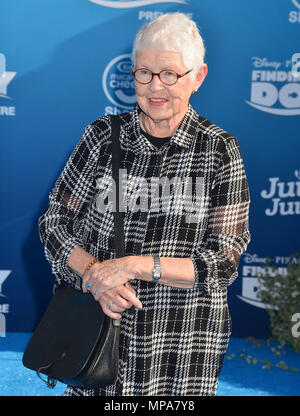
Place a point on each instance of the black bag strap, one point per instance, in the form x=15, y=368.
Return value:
x=118, y=216
x=116, y=163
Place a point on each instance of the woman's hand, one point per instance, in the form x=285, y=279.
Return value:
x=117, y=300
x=108, y=282
x=108, y=274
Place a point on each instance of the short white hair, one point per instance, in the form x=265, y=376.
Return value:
x=174, y=32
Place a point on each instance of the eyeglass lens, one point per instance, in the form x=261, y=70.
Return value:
x=145, y=76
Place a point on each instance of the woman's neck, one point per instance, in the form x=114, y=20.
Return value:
x=158, y=128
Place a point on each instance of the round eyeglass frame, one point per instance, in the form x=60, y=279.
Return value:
x=158, y=74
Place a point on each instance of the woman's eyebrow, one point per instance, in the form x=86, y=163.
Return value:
x=170, y=67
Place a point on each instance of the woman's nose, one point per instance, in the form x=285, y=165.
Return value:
x=156, y=83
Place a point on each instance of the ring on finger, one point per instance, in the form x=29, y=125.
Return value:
x=110, y=306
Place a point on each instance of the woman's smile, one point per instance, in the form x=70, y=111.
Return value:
x=157, y=101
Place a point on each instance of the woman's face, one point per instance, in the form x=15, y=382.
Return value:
x=157, y=100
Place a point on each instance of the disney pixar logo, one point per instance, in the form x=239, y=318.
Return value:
x=275, y=86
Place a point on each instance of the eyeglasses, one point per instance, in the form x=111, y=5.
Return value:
x=167, y=77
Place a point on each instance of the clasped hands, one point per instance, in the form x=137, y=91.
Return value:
x=109, y=283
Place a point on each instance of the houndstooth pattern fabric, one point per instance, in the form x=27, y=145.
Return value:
x=176, y=344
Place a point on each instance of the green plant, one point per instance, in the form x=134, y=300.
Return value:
x=280, y=292
x=275, y=347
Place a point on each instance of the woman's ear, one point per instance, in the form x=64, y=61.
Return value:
x=201, y=74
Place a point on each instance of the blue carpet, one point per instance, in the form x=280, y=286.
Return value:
x=238, y=378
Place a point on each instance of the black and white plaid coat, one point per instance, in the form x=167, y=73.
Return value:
x=176, y=344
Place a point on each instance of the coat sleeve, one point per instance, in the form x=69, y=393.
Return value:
x=68, y=201
x=216, y=257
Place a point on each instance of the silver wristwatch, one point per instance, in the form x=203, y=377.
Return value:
x=156, y=273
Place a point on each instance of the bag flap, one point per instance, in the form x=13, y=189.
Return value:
x=68, y=332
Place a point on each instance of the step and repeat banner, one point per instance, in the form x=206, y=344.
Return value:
x=64, y=63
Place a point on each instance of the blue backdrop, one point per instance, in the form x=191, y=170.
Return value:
x=64, y=63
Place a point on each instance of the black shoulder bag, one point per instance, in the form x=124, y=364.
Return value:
x=75, y=342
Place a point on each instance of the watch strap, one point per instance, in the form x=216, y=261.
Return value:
x=156, y=273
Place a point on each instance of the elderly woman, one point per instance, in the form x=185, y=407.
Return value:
x=175, y=323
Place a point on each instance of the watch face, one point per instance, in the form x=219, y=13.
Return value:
x=156, y=274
